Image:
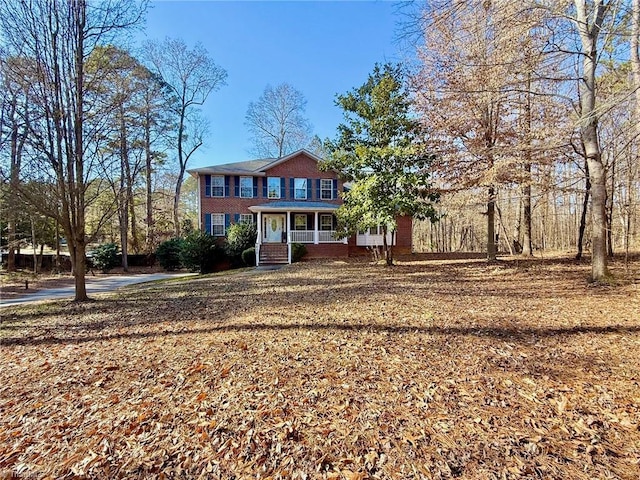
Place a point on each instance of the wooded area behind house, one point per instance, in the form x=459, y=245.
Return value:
x=532, y=110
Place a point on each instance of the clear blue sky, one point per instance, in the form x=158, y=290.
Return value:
x=322, y=48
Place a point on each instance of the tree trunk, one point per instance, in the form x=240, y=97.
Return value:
x=599, y=270
x=123, y=191
x=609, y=208
x=491, y=225
x=517, y=229
x=585, y=208
x=33, y=244
x=16, y=147
x=589, y=128
x=148, y=180
x=527, y=243
x=527, y=249
x=78, y=187
x=135, y=245
x=79, y=272
x=388, y=249
x=182, y=167
x=57, y=263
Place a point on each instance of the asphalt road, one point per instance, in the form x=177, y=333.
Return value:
x=94, y=285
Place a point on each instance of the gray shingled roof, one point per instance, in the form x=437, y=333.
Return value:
x=249, y=167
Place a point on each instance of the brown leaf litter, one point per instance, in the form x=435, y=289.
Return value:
x=331, y=370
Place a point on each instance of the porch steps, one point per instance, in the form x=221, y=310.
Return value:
x=274, y=254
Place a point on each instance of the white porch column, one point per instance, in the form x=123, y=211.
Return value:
x=259, y=229
x=289, y=236
x=258, y=238
x=316, y=235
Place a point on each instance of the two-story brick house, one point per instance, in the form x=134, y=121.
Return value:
x=290, y=200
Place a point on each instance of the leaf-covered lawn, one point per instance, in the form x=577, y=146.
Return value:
x=336, y=370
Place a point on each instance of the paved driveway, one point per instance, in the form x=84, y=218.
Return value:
x=94, y=285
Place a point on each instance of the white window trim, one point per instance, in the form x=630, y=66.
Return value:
x=250, y=188
x=248, y=218
x=214, y=177
x=277, y=192
x=214, y=224
x=323, y=216
x=295, y=189
x=324, y=189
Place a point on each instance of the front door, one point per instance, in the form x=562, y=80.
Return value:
x=273, y=228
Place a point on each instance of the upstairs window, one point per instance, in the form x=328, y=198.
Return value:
x=326, y=189
x=273, y=187
x=246, y=187
x=217, y=186
x=300, y=188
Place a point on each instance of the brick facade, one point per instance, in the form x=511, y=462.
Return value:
x=298, y=165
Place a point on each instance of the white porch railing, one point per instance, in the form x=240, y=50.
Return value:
x=308, y=236
x=372, y=240
x=301, y=236
x=328, y=236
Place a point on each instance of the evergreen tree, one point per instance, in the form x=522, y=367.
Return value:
x=379, y=151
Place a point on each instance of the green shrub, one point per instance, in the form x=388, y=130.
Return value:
x=298, y=250
x=168, y=254
x=200, y=252
x=249, y=257
x=240, y=236
x=105, y=257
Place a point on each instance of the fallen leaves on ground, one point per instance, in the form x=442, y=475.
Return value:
x=331, y=370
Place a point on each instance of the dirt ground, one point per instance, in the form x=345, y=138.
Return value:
x=431, y=369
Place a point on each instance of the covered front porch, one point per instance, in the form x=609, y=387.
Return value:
x=286, y=223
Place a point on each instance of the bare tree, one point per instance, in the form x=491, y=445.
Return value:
x=58, y=36
x=15, y=110
x=589, y=20
x=192, y=76
x=276, y=122
x=467, y=68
